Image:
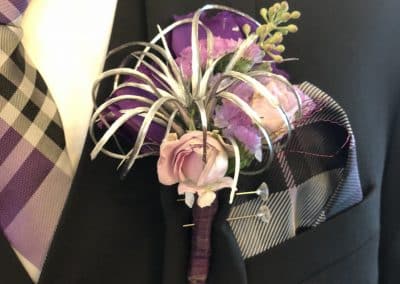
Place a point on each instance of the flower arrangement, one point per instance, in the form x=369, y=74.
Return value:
x=208, y=108
x=209, y=100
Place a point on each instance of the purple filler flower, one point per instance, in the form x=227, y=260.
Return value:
x=223, y=24
x=235, y=123
x=221, y=47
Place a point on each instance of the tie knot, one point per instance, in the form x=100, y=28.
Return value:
x=11, y=10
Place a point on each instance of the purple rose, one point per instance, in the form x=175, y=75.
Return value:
x=130, y=129
x=224, y=25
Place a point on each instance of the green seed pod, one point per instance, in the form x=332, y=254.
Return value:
x=277, y=6
x=267, y=46
x=295, y=15
x=278, y=37
x=276, y=58
x=246, y=29
x=292, y=28
x=263, y=13
x=262, y=32
x=271, y=12
x=286, y=16
x=285, y=6
x=280, y=48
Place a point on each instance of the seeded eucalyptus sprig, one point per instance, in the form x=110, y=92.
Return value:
x=270, y=35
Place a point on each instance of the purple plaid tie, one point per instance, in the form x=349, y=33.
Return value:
x=35, y=171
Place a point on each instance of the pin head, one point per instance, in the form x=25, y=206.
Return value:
x=264, y=214
x=263, y=191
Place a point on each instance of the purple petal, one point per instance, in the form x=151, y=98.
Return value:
x=130, y=129
x=247, y=135
x=224, y=24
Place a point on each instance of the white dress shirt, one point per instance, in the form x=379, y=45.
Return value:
x=67, y=40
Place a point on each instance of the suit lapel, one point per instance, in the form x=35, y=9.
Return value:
x=12, y=270
x=226, y=256
x=176, y=238
x=111, y=231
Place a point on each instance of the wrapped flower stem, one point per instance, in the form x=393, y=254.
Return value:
x=201, y=243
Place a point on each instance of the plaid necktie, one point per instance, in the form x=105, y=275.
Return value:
x=35, y=171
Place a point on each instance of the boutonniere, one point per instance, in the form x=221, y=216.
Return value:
x=207, y=97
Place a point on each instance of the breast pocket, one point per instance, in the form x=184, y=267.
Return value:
x=342, y=250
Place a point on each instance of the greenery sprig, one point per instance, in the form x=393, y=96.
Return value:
x=271, y=34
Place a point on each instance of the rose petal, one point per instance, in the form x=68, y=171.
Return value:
x=165, y=161
x=206, y=198
x=216, y=167
x=179, y=164
x=193, y=165
x=189, y=199
x=223, y=182
x=185, y=187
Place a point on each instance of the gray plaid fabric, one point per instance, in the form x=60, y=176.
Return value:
x=35, y=171
x=313, y=178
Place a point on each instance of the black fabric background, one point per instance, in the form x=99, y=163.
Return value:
x=128, y=231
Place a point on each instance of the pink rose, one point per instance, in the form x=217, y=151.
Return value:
x=270, y=117
x=181, y=161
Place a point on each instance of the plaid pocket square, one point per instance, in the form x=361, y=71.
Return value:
x=310, y=180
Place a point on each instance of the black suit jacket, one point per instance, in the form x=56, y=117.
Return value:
x=129, y=231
